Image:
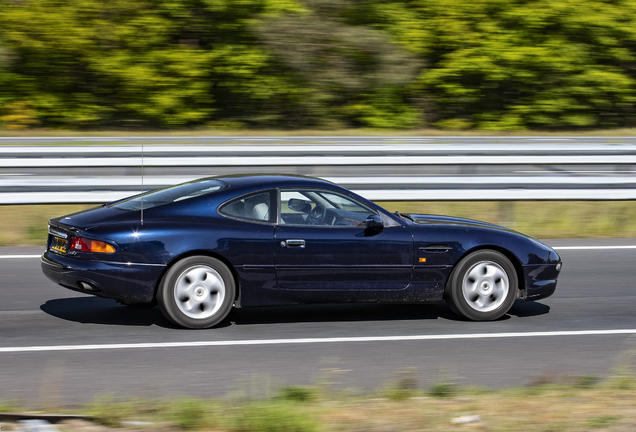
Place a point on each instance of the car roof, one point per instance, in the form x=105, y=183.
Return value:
x=264, y=181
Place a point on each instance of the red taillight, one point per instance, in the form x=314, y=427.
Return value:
x=88, y=245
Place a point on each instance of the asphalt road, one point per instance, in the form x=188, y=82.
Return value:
x=595, y=292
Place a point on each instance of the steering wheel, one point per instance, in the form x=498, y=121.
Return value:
x=317, y=215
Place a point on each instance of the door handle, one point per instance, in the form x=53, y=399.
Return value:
x=293, y=243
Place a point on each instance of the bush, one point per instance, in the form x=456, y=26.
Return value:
x=188, y=413
x=18, y=115
x=274, y=417
x=297, y=394
x=442, y=390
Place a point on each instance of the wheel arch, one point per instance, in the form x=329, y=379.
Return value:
x=201, y=252
x=521, y=283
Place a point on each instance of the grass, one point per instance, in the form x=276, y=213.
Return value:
x=26, y=225
x=560, y=405
x=540, y=219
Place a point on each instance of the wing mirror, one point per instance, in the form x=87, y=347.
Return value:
x=374, y=224
x=299, y=205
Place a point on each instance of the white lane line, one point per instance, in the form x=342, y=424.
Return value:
x=311, y=341
x=591, y=247
x=18, y=256
x=576, y=172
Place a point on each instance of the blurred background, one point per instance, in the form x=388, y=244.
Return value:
x=504, y=65
x=516, y=112
x=339, y=67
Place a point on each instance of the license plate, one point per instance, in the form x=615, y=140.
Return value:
x=58, y=244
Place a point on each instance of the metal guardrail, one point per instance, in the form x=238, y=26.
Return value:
x=379, y=168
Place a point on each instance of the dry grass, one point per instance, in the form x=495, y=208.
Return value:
x=26, y=225
x=545, y=408
x=541, y=219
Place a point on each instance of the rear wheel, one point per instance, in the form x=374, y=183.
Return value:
x=483, y=286
x=197, y=292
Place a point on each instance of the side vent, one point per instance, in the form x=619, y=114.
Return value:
x=439, y=248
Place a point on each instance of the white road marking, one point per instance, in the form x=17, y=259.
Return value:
x=577, y=172
x=18, y=256
x=20, y=312
x=311, y=341
x=591, y=247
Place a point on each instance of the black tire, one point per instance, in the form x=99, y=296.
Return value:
x=483, y=286
x=197, y=292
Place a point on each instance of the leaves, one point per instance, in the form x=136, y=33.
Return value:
x=485, y=64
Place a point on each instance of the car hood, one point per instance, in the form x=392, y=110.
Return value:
x=451, y=220
x=95, y=217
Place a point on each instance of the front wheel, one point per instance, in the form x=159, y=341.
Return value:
x=197, y=292
x=483, y=286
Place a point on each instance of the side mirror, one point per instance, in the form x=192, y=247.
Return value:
x=299, y=205
x=374, y=224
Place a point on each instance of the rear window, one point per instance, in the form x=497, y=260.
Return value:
x=170, y=194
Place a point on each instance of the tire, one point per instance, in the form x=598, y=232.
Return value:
x=483, y=286
x=197, y=292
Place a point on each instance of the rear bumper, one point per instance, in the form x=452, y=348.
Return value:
x=541, y=281
x=128, y=282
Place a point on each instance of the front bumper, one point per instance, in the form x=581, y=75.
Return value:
x=541, y=280
x=128, y=282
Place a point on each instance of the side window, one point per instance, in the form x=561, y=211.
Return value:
x=321, y=208
x=346, y=203
x=295, y=207
x=255, y=207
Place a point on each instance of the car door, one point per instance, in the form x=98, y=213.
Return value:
x=321, y=243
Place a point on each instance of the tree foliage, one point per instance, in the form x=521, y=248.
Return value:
x=353, y=75
x=484, y=64
x=519, y=64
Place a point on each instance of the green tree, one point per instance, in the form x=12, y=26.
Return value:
x=519, y=64
x=350, y=75
x=485, y=64
x=134, y=62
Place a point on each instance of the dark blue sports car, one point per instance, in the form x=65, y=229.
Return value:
x=200, y=248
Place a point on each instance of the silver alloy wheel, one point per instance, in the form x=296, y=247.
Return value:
x=485, y=286
x=199, y=292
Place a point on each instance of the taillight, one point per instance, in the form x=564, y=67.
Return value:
x=88, y=245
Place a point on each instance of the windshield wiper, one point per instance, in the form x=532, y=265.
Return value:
x=404, y=216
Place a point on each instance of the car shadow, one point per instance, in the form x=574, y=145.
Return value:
x=365, y=312
x=528, y=309
x=339, y=313
x=95, y=310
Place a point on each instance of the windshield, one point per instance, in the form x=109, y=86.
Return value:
x=170, y=194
